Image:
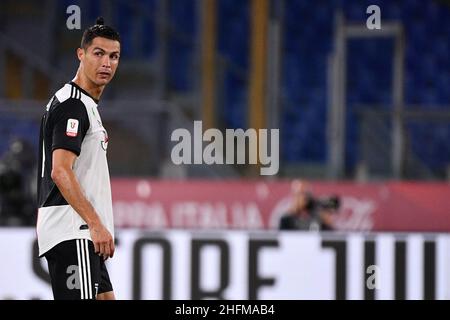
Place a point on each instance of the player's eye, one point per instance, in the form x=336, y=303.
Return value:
x=98, y=53
x=115, y=56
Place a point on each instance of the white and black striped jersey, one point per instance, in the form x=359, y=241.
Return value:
x=71, y=121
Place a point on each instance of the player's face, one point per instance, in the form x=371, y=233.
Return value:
x=100, y=60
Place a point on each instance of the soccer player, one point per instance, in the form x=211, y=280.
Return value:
x=75, y=227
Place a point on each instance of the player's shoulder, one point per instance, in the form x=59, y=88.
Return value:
x=68, y=106
x=66, y=102
x=65, y=99
x=68, y=92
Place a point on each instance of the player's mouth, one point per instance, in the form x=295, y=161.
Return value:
x=104, y=74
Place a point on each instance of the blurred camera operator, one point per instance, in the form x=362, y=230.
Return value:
x=17, y=169
x=308, y=213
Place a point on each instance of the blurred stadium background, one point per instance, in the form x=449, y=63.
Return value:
x=364, y=114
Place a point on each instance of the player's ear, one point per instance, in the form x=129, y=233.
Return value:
x=80, y=53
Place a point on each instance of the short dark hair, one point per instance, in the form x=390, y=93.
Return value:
x=98, y=30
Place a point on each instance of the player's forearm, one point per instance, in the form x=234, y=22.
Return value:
x=70, y=189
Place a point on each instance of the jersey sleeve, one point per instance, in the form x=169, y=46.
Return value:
x=70, y=124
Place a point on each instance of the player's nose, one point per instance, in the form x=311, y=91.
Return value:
x=106, y=62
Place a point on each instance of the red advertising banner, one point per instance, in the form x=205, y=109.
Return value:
x=235, y=204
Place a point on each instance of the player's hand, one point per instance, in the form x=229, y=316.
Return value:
x=103, y=241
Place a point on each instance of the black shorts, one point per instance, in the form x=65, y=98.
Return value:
x=76, y=271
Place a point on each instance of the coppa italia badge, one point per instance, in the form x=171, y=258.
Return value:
x=72, y=128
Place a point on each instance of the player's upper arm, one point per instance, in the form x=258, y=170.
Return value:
x=62, y=163
x=62, y=160
x=69, y=125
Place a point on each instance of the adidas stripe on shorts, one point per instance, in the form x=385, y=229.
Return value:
x=76, y=271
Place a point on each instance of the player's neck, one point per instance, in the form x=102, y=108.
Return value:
x=88, y=86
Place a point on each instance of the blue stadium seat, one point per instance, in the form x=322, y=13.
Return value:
x=307, y=41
